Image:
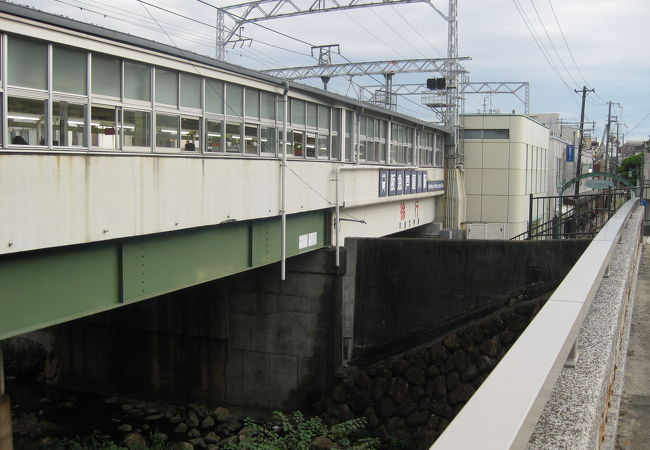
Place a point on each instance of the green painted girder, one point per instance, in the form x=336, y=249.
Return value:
x=47, y=287
x=618, y=178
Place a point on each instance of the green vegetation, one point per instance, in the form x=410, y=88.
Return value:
x=631, y=167
x=298, y=433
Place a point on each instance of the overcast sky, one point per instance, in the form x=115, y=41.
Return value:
x=604, y=46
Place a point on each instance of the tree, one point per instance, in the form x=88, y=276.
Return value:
x=631, y=167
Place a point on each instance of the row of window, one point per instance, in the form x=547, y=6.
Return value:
x=65, y=97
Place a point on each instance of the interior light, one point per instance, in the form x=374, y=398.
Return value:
x=164, y=130
x=25, y=118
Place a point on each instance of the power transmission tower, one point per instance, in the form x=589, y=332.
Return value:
x=582, y=124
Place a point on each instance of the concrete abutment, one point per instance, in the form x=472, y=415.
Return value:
x=254, y=342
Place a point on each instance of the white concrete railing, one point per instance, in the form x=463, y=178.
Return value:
x=503, y=412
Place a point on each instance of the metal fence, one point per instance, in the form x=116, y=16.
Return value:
x=571, y=216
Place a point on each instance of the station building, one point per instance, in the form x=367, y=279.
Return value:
x=117, y=150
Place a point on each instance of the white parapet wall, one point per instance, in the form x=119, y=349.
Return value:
x=513, y=403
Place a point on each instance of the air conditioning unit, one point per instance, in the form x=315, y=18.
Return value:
x=495, y=231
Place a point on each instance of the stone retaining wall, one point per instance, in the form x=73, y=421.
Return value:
x=413, y=397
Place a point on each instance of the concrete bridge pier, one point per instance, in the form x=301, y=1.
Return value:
x=6, y=442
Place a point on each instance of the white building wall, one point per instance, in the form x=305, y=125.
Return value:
x=501, y=173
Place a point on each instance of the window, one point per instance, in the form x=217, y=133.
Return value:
x=267, y=106
x=486, y=134
x=323, y=117
x=190, y=91
x=312, y=115
x=267, y=140
x=27, y=63
x=137, y=81
x=496, y=134
x=214, y=135
x=311, y=145
x=233, y=138
x=336, y=147
x=297, y=143
x=252, y=103
x=297, y=112
x=289, y=142
x=166, y=87
x=214, y=96
x=137, y=128
x=106, y=75
x=68, y=124
x=26, y=121
x=439, y=150
x=69, y=70
x=167, y=131
x=323, y=146
x=250, y=139
x=190, y=134
x=103, y=126
x=234, y=100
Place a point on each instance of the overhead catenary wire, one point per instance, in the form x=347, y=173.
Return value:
x=542, y=47
x=548, y=36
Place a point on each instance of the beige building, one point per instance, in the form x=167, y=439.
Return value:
x=506, y=160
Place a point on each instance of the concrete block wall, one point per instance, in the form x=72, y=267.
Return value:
x=249, y=340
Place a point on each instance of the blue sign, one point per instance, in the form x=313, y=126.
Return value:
x=383, y=182
x=425, y=184
x=407, y=181
x=400, y=182
x=419, y=182
x=570, y=153
x=414, y=182
x=392, y=182
x=437, y=185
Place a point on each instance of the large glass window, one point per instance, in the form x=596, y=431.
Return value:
x=336, y=120
x=267, y=106
x=214, y=96
x=26, y=119
x=323, y=117
x=310, y=146
x=312, y=113
x=233, y=137
x=297, y=142
x=68, y=124
x=252, y=103
x=214, y=135
x=267, y=139
x=27, y=63
x=190, y=91
x=234, y=99
x=289, y=142
x=166, y=86
x=69, y=69
x=297, y=112
x=137, y=128
x=106, y=75
x=103, y=126
x=323, y=146
x=137, y=81
x=167, y=131
x=190, y=134
x=336, y=147
x=250, y=139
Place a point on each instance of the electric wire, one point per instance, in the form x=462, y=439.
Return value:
x=548, y=36
x=541, y=47
x=398, y=34
x=417, y=31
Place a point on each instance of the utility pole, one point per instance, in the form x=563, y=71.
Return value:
x=582, y=124
x=617, y=147
x=609, y=121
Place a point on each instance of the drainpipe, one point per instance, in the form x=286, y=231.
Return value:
x=337, y=224
x=283, y=206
